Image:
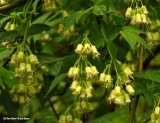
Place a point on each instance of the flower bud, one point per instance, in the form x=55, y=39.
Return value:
x=13, y=59
x=133, y=19
x=117, y=91
x=44, y=69
x=20, y=56
x=21, y=88
x=78, y=107
x=70, y=72
x=7, y=27
x=88, y=72
x=88, y=92
x=31, y=89
x=72, y=29
x=144, y=19
x=74, y=85
x=62, y=119
x=94, y=51
x=22, y=99
x=144, y=10
x=12, y=26
x=5, y=43
x=127, y=98
x=60, y=28
x=79, y=48
x=65, y=14
x=112, y=96
x=75, y=72
x=108, y=78
x=33, y=59
x=28, y=68
x=22, y=68
x=130, y=90
x=69, y=118
x=94, y=71
x=138, y=18
x=87, y=48
x=128, y=12
x=84, y=106
x=119, y=100
x=76, y=120
x=102, y=77
x=77, y=91
x=127, y=71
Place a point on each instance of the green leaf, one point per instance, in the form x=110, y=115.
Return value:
x=35, y=6
x=56, y=81
x=3, y=20
x=153, y=75
x=4, y=53
x=74, y=18
x=9, y=35
x=133, y=38
x=129, y=38
x=30, y=121
x=132, y=29
x=7, y=76
x=99, y=9
x=37, y=28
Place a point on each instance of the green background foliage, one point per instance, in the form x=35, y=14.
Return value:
x=112, y=35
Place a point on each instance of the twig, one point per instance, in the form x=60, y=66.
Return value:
x=53, y=109
x=12, y=5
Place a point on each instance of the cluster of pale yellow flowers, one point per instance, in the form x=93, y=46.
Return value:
x=137, y=15
x=83, y=74
x=122, y=91
x=30, y=73
x=153, y=34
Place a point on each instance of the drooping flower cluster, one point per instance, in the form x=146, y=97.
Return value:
x=137, y=15
x=120, y=95
x=83, y=74
x=29, y=72
x=153, y=33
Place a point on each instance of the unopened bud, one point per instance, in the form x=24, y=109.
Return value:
x=128, y=12
x=28, y=68
x=33, y=59
x=7, y=27
x=94, y=71
x=102, y=77
x=130, y=90
x=20, y=56
x=87, y=48
x=74, y=85
x=64, y=14
x=79, y=48
x=117, y=91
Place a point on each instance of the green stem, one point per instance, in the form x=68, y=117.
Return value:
x=136, y=98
